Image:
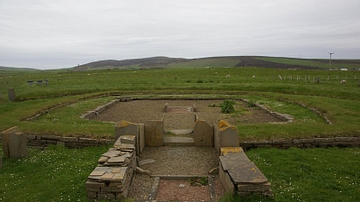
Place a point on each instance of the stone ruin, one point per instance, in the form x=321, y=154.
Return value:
x=14, y=143
x=112, y=178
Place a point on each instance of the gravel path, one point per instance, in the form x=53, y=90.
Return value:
x=194, y=161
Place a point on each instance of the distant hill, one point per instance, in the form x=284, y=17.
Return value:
x=216, y=62
x=16, y=69
x=226, y=62
x=153, y=62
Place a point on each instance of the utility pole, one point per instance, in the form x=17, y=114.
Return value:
x=330, y=60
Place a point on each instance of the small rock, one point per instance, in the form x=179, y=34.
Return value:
x=182, y=185
x=142, y=171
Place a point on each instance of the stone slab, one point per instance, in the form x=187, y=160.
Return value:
x=154, y=133
x=233, y=160
x=227, y=150
x=247, y=174
x=93, y=184
x=345, y=139
x=11, y=94
x=128, y=139
x=324, y=140
x=97, y=173
x=116, y=159
x=18, y=145
x=125, y=128
x=226, y=181
x=141, y=139
x=203, y=134
x=254, y=187
x=5, y=139
x=112, y=153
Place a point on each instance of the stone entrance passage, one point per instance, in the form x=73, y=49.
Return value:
x=179, y=125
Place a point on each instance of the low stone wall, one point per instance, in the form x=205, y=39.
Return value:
x=304, y=143
x=112, y=178
x=42, y=141
x=241, y=176
x=98, y=110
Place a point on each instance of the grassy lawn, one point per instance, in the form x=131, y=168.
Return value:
x=54, y=174
x=59, y=174
x=78, y=92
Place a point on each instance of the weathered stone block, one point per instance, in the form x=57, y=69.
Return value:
x=253, y=187
x=230, y=150
x=154, y=133
x=227, y=136
x=14, y=143
x=11, y=94
x=94, y=184
x=345, y=139
x=50, y=137
x=233, y=160
x=324, y=140
x=89, y=140
x=303, y=141
x=203, y=134
x=247, y=173
x=141, y=138
x=226, y=181
x=69, y=139
x=125, y=128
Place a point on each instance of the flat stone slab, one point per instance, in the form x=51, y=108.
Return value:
x=248, y=173
x=233, y=160
x=181, y=131
x=146, y=161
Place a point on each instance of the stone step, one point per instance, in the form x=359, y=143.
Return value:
x=178, y=141
x=180, y=131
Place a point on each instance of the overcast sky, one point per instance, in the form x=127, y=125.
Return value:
x=49, y=34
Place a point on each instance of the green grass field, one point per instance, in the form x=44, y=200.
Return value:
x=303, y=175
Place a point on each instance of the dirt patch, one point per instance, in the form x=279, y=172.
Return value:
x=139, y=111
x=181, y=190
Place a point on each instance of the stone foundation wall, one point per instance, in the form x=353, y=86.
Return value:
x=112, y=178
x=304, y=143
x=42, y=141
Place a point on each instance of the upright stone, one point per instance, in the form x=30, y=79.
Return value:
x=225, y=135
x=11, y=94
x=141, y=137
x=154, y=133
x=125, y=128
x=203, y=134
x=14, y=143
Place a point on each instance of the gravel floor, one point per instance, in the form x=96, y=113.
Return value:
x=194, y=161
x=138, y=111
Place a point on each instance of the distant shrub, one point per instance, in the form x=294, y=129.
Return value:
x=200, y=81
x=251, y=103
x=227, y=106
